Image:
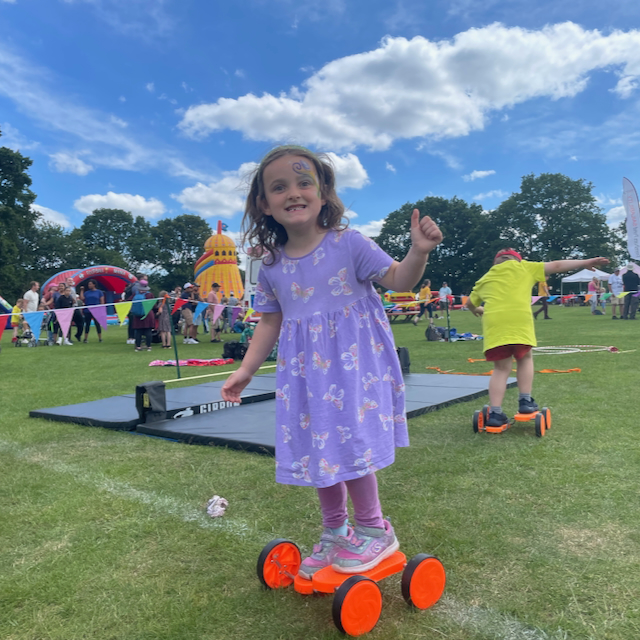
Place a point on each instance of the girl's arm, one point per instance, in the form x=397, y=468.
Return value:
x=261, y=345
x=425, y=236
x=560, y=266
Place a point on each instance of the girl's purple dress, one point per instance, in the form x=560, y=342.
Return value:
x=340, y=394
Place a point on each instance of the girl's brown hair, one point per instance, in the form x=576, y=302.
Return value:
x=263, y=231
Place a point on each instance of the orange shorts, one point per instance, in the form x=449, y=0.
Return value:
x=518, y=351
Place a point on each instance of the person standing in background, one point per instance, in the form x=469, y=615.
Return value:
x=631, y=283
x=92, y=297
x=616, y=287
x=543, y=292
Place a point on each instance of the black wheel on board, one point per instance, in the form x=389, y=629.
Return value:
x=357, y=605
x=423, y=581
x=477, y=419
x=546, y=412
x=278, y=563
x=540, y=425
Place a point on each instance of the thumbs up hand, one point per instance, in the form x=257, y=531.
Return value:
x=425, y=233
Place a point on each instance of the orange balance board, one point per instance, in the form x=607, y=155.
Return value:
x=327, y=580
x=504, y=427
x=525, y=417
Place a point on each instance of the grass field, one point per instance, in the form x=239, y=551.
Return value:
x=105, y=535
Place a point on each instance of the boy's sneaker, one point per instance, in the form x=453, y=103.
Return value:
x=497, y=419
x=68, y=343
x=366, y=548
x=527, y=406
x=323, y=552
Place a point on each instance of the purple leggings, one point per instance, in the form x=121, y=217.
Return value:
x=364, y=496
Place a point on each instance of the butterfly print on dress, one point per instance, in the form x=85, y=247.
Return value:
x=334, y=397
x=340, y=284
x=327, y=470
x=298, y=292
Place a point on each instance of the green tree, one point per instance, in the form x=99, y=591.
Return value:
x=17, y=222
x=113, y=236
x=468, y=240
x=553, y=217
x=180, y=242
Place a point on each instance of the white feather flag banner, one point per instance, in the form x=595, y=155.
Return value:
x=630, y=200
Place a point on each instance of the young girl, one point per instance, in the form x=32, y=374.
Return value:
x=340, y=397
x=507, y=322
x=164, y=320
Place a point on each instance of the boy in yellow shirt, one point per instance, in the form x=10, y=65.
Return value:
x=16, y=318
x=507, y=322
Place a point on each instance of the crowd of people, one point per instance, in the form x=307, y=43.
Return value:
x=162, y=319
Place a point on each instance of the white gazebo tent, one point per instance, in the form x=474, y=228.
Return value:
x=586, y=275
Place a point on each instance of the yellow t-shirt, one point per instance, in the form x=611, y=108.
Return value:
x=425, y=294
x=16, y=312
x=506, y=292
x=542, y=288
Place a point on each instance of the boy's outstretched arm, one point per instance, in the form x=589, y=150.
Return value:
x=560, y=266
x=477, y=311
x=425, y=236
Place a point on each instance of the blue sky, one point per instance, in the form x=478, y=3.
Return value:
x=161, y=107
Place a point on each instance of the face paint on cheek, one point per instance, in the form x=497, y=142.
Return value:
x=303, y=169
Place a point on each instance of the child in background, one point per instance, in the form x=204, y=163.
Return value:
x=164, y=320
x=16, y=317
x=507, y=322
x=340, y=396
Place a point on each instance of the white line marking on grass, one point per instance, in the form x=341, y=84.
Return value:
x=492, y=624
x=160, y=503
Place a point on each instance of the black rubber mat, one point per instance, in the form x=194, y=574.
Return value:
x=198, y=415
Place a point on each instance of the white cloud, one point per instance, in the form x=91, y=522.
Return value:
x=390, y=167
x=137, y=205
x=55, y=217
x=106, y=142
x=13, y=139
x=239, y=73
x=476, y=175
x=350, y=174
x=122, y=99
x=9, y=1
x=222, y=198
x=150, y=87
x=68, y=163
x=616, y=215
x=140, y=18
x=421, y=88
x=370, y=229
x=496, y=193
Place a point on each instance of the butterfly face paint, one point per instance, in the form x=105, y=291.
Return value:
x=304, y=169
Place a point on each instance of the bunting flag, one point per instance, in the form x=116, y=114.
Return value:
x=588, y=297
x=622, y=294
x=201, y=306
x=535, y=299
x=463, y=300
x=2, y=328
x=605, y=296
x=147, y=305
x=249, y=313
x=217, y=310
x=235, y=313
x=180, y=302
x=122, y=309
x=64, y=319
x=552, y=298
x=99, y=314
x=34, y=320
x=636, y=295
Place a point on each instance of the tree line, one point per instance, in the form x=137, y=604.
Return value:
x=551, y=217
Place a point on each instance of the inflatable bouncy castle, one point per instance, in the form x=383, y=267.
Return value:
x=219, y=264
